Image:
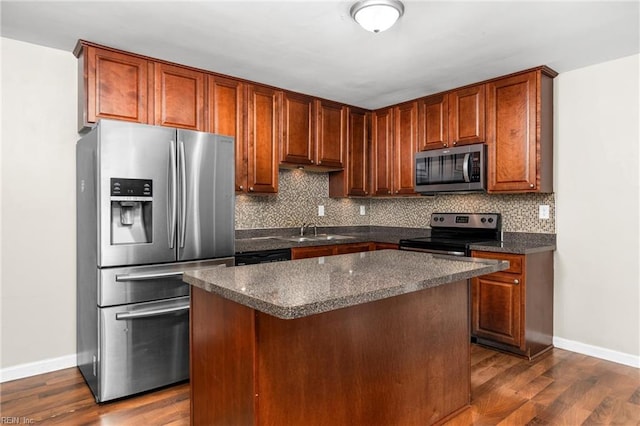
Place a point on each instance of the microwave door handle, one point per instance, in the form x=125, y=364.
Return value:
x=465, y=167
x=172, y=194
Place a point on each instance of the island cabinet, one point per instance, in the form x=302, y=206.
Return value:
x=313, y=132
x=354, y=180
x=264, y=108
x=394, y=144
x=520, y=132
x=112, y=85
x=512, y=310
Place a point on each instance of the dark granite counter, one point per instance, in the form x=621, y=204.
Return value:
x=262, y=239
x=305, y=287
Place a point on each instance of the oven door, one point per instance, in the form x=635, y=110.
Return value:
x=451, y=170
x=143, y=346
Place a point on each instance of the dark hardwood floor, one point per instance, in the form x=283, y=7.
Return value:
x=561, y=388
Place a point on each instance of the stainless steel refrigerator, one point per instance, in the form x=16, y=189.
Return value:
x=152, y=202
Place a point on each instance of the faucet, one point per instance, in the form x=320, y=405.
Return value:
x=305, y=226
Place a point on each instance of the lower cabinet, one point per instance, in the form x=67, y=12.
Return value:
x=317, y=251
x=512, y=310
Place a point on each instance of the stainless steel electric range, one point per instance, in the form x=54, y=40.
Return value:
x=453, y=233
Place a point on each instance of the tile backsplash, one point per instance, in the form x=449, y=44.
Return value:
x=300, y=194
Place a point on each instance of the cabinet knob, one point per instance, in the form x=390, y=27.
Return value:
x=454, y=142
x=388, y=192
x=366, y=192
x=241, y=187
x=319, y=162
x=251, y=188
x=311, y=161
x=397, y=192
x=531, y=185
x=516, y=281
x=444, y=144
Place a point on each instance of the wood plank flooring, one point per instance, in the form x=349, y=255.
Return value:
x=561, y=388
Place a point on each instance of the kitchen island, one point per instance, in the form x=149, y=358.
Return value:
x=367, y=338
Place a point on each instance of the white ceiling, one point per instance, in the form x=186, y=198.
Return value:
x=315, y=47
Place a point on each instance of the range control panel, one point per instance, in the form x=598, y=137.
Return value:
x=466, y=220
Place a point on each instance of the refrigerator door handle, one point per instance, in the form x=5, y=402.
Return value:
x=173, y=176
x=145, y=277
x=183, y=193
x=151, y=312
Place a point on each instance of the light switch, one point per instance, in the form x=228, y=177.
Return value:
x=363, y=211
x=543, y=212
x=320, y=210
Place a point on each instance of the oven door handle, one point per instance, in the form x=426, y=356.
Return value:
x=151, y=276
x=465, y=167
x=151, y=312
x=422, y=250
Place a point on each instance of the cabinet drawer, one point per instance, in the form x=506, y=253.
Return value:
x=515, y=260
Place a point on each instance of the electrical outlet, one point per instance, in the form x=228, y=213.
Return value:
x=363, y=211
x=320, y=210
x=543, y=212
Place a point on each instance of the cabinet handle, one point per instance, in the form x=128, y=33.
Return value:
x=516, y=281
x=241, y=188
x=397, y=192
x=311, y=161
x=366, y=192
x=454, y=142
x=319, y=162
x=388, y=192
x=531, y=185
x=444, y=144
x=251, y=188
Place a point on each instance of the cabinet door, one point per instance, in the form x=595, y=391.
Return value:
x=511, y=133
x=116, y=86
x=353, y=248
x=405, y=145
x=386, y=246
x=298, y=131
x=466, y=116
x=332, y=133
x=225, y=102
x=358, y=157
x=178, y=97
x=434, y=122
x=497, y=308
x=263, y=121
x=382, y=146
x=307, y=252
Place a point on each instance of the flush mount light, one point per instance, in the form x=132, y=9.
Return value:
x=377, y=15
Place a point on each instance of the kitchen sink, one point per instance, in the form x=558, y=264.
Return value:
x=319, y=237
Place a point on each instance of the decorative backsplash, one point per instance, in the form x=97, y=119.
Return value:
x=300, y=194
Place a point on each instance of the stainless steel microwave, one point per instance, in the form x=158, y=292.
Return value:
x=459, y=169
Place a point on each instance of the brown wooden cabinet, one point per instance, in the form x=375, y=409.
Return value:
x=225, y=115
x=520, y=132
x=178, y=97
x=467, y=115
x=386, y=246
x=112, y=85
x=433, y=118
x=512, y=310
x=313, y=132
x=405, y=145
x=354, y=179
x=330, y=250
x=263, y=134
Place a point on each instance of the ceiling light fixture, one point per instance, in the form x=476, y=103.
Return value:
x=377, y=15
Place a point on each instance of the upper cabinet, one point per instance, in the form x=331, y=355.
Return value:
x=433, y=116
x=394, y=144
x=313, y=132
x=226, y=116
x=466, y=115
x=520, y=132
x=178, y=97
x=113, y=85
x=354, y=179
x=263, y=136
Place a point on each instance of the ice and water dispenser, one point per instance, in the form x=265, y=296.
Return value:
x=131, y=211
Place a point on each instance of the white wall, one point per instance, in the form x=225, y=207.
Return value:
x=37, y=287
x=597, y=297
x=596, y=283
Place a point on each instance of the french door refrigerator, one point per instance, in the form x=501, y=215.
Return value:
x=152, y=202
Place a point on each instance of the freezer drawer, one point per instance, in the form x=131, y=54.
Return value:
x=143, y=346
x=117, y=286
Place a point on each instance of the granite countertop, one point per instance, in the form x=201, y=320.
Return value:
x=300, y=288
x=261, y=239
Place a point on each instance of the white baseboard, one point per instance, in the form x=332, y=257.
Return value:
x=35, y=368
x=598, y=352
